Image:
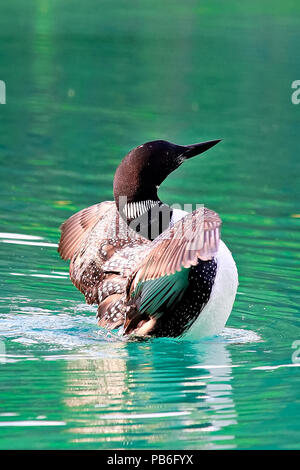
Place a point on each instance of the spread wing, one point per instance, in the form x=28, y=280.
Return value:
x=74, y=229
x=160, y=280
x=195, y=236
x=103, y=251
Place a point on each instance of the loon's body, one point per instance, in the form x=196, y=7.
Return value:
x=152, y=270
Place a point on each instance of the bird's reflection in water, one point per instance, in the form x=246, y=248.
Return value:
x=142, y=394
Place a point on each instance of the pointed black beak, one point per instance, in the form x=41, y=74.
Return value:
x=196, y=149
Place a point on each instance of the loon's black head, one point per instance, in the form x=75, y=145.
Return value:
x=144, y=168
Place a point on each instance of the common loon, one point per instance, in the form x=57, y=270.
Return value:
x=152, y=270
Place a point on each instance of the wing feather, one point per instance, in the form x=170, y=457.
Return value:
x=74, y=229
x=195, y=236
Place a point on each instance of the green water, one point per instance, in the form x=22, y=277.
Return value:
x=87, y=81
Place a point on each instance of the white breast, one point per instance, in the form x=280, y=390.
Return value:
x=214, y=316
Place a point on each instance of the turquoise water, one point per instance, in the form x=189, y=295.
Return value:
x=85, y=83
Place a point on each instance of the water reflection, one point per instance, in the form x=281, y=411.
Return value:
x=141, y=393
